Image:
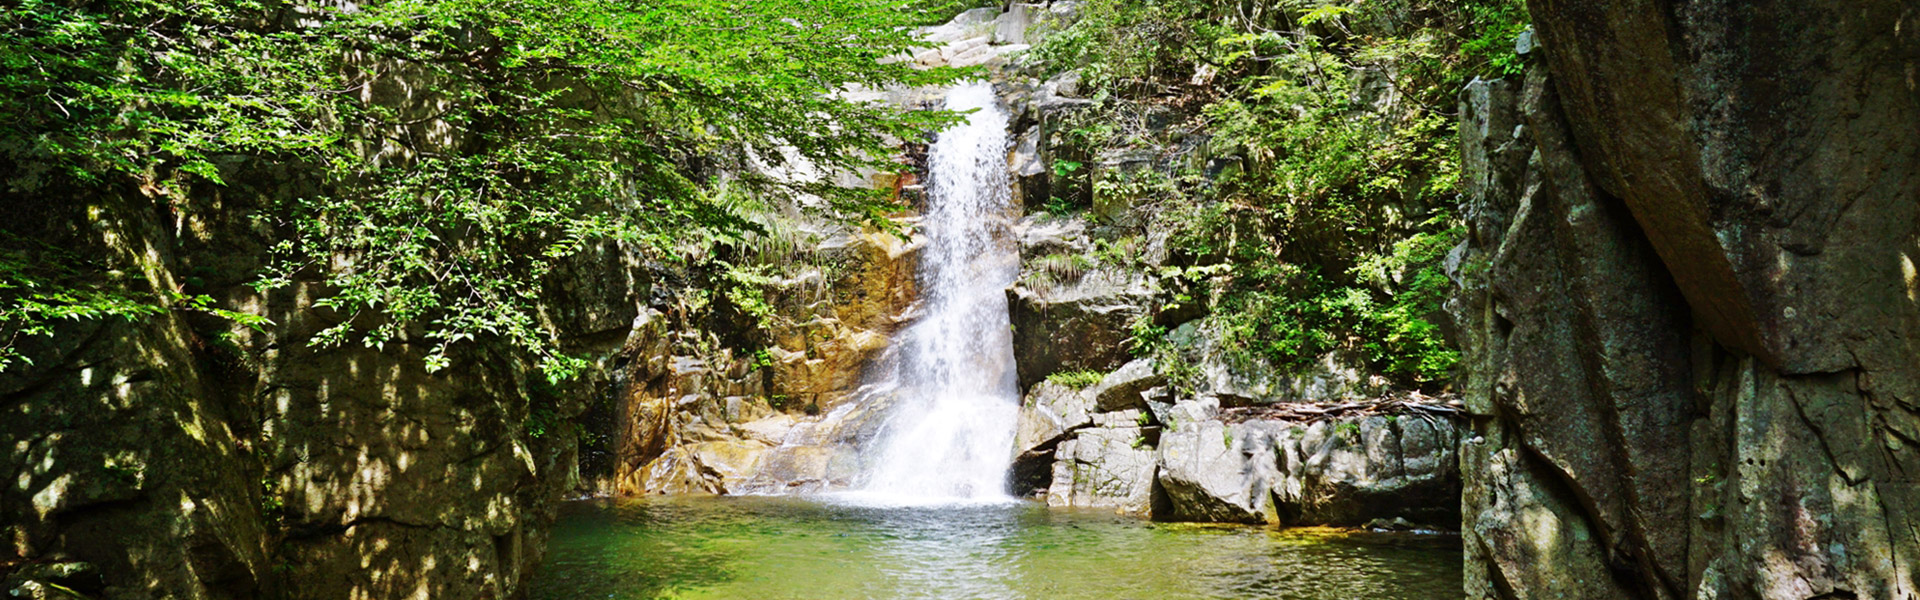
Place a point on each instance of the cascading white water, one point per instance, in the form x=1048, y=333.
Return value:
x=950, y=433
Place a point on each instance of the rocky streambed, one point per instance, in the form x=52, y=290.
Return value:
x=1210, y=447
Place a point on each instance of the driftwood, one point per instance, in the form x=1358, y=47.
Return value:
x=1410, y=403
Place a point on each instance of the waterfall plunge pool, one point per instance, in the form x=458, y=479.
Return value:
x=949, y=438
x=788, y=548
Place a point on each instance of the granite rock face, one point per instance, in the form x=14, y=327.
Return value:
x=1691, y=315
x=1080, y=325
x=1206, y=476
x=1358, y=470
x=1104, y=467
x=710, y=417
x=1185, y=459
x=121, y=462
x=185, y=456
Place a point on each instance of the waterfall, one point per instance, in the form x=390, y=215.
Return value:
x=949, y=434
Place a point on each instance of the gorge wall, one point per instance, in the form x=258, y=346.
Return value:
x=1687, y=305
x=1689, y=280
x=186, y=456
x=152, y=458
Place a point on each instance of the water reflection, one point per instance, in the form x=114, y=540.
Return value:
x=787, y=548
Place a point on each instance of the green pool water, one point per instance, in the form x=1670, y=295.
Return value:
x=766, y=548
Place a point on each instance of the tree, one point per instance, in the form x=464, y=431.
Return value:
x=550, y=126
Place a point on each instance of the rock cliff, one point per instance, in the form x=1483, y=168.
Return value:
x=184, y=456
x=1691, y=354
x=1687, y=308
x=708, y=419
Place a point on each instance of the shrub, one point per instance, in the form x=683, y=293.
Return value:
x=1076, y=379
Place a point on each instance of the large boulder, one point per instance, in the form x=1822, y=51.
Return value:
x=1209, y=474
x=1104, y=467
x=675, y=472
x=1051, y=413
x=1082, y=325
x=733, y=462
x=976, y=37
x=1355, y=471
x=1122, y=389
x=1349, y=471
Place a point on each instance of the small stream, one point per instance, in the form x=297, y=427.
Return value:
x=774, y=548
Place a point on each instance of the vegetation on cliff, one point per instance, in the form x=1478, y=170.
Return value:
x=1329, y=233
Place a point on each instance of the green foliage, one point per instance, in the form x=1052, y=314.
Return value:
x=1130, y=46
x=1493, y=26
x=1059, y=207
x=1335, y=224
x=41, y=286
x=1298, y=315
x=125, y=472
x=746, y=290
x=1122, y=251
x=1059, y=268
x=1348, y=431
x=1401, y=337
x=762, y=358
x=40, y=293
x=539, y=421
x=1076, y=379
x=553, y=127
x=270, y=502
x=1144, y=336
